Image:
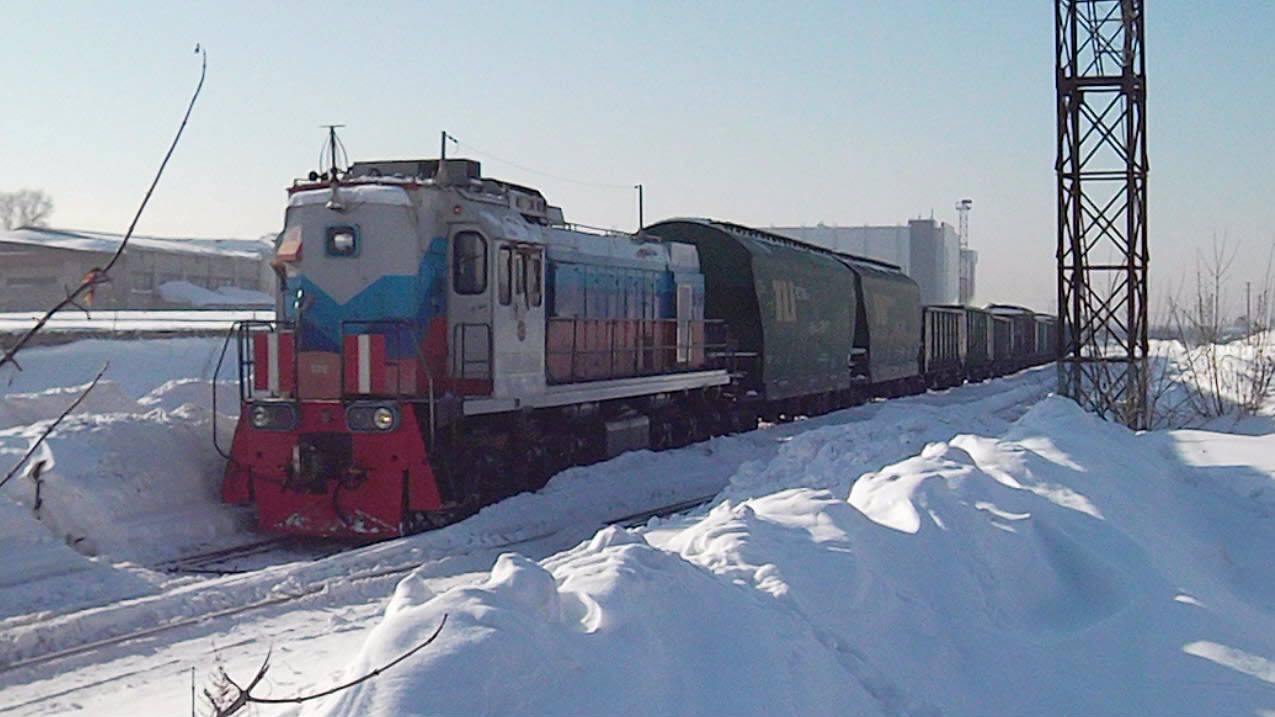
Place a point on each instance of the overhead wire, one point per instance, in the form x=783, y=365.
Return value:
x=532, y=170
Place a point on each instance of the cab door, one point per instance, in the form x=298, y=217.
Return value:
x=469, y=311
x=519, y=320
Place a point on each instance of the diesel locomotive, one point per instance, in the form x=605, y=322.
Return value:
x=443, y=339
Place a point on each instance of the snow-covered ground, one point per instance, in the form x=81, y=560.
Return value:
x=984, y=550
x=184, y=292
x=169, y=320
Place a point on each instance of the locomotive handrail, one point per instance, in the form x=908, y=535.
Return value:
x=217, y=372
x=244, y=331
x=414, y=336
x=240, y=331
x=723, y=349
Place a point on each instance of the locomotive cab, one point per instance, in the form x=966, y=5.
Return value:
x=328, y=430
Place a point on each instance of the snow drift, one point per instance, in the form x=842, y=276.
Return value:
x=130, y=478
x=1067, y=566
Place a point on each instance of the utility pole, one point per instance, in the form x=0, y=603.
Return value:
x=1248, y=308
x=1102, y=168
x=641, y=221
x=440, y=174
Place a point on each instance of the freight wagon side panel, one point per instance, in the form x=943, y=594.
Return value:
x=977, y=337
x=807, y=308
x=793, y=307
x=892, y=309
x=944, y=338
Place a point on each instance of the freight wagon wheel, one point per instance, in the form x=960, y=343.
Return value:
x=562, y=453
x=715, y=422
x=486, y=471
x=683, y=429
x=534, y=465
x=743, y=420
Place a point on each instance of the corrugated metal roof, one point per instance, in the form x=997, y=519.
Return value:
x=104, y=243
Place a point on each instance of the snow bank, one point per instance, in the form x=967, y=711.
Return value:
x=1213, y=386
x=136, y=367
x=591, y=635
x=42, y=572
x=130, y=477
x=126, y=484
x=184, y=292
x=19, y=409
x=1067, y=566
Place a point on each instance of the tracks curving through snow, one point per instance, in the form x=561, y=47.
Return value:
x=43, y=661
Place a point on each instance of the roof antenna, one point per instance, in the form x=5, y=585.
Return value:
x=333, y=150
x=333, y=173
x=440, y=174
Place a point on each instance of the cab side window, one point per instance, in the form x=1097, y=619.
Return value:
x=535, y=290
x=469, y=263
x=504, y=266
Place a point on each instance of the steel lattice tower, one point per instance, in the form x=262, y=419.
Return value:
x=1102, y=207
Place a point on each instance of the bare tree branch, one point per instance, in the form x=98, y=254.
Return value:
x=242, y=696
x=98, y=276
x=47, y=431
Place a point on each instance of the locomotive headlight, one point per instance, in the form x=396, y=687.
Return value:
x=272, y=416
x=371, y=417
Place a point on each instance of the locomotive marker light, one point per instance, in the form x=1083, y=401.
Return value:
x=371, y=417
x=273, y=416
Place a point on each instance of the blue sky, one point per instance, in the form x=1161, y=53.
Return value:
x=762, y=113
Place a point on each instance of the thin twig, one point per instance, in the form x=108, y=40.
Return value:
x=98, y=276
x=243, y=695
x=317, y=695
x=39, y=441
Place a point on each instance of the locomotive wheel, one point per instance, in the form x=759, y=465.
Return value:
x=661, y=433
x=422, y=520
x=489, y=475
x=684, y=429
x=562, y=453
x=715, y=422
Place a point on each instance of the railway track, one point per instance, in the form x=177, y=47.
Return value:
x=239, y=559
x=636, y=519
x=200, y=564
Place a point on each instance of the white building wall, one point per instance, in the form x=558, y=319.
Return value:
x=884, y=243
x=926, y=250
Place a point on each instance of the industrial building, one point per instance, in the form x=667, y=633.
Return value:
x=38, y=265
x=928, y=251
